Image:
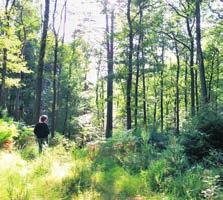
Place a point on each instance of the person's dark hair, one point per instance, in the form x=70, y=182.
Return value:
x=43, y=118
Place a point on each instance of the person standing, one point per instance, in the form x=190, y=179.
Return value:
x=41, y=132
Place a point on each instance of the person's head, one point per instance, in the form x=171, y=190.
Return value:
x=43, y=119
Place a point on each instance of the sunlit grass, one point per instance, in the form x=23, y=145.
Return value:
x=34, y=179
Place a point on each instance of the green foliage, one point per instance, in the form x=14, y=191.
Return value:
x=187, y=185
x=212, y=187
x=29, y=153
x=157, y=173
x=8, y=130
x=203, y=134
x=79, y=181
x=25, y=137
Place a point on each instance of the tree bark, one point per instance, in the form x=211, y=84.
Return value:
x=161, y=90
x=110, y=52
x=129, y=80
x=54, y=88
x=211, y=76
x=200, y=54
x=138, y=65
x=144, y=88
x=39, y=79
x=192, y=84
x=177, y=90
x=185, y=89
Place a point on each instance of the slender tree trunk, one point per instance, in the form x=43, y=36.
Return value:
x=144, y=88
x=154, y=115
x=177, y=90
x=192, y=84
x=54, y=88
x=155, y=111
x=39, y=79
x=211, y=76
x=129, y=80
x=185, y=89
x=217, y=82
x=161, y=90
x=200, y=55
x=103, y=106
x=110, y=39
x=196, y=90
x=67, y=101
x=64, y=18
x=4, y=69
x=138, y=60
x=97, y=92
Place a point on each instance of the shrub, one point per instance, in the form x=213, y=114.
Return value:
x=29, y=153
x=203, y=133
x=175, y=157
x=211, y=186
x=186, y=186
x=25, y=137
x=156, y=174
x=8, y=130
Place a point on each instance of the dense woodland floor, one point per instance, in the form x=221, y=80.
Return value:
x=133, y=92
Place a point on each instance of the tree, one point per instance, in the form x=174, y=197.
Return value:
x=129, y=79
x=200, y=54
x=110, y=63
x=39, y=78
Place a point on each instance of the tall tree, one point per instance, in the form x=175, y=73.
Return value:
x=200, y=57
x=39, y=78
x=130, y=54
x=138, y=63
x=110, y=63
x=56, y=32
x=7, y=12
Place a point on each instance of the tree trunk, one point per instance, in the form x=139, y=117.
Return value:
x=200, y=55
x=211, y=76
x=138, y=65
x=144, y=89
x=192, y=84
x=110, y=40
x=161, y=90
x=103, y=106
x=67, y=101
x=39, y=80
x=129, y=80
x=4, y=69
x=185, y=89
x=177, y=90
x=196, y=91
x=217, y=82
x=54, y=88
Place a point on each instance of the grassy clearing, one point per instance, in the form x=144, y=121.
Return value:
x=124, y=167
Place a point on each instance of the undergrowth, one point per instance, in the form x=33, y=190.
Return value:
x=128, y=166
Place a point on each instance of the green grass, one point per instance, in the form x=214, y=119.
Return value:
x=120, y=169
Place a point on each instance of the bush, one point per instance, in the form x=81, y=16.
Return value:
x=25, y=137
x=156, y=174
x=8, y=130
x=29, y=153
x=187, y=185
x=203, y=133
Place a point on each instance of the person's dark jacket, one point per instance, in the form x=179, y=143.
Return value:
x=41, y=130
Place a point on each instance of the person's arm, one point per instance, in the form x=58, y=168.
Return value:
x=47, y=130
x=35, y=130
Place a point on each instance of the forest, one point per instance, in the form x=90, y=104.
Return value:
x=133, y=91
